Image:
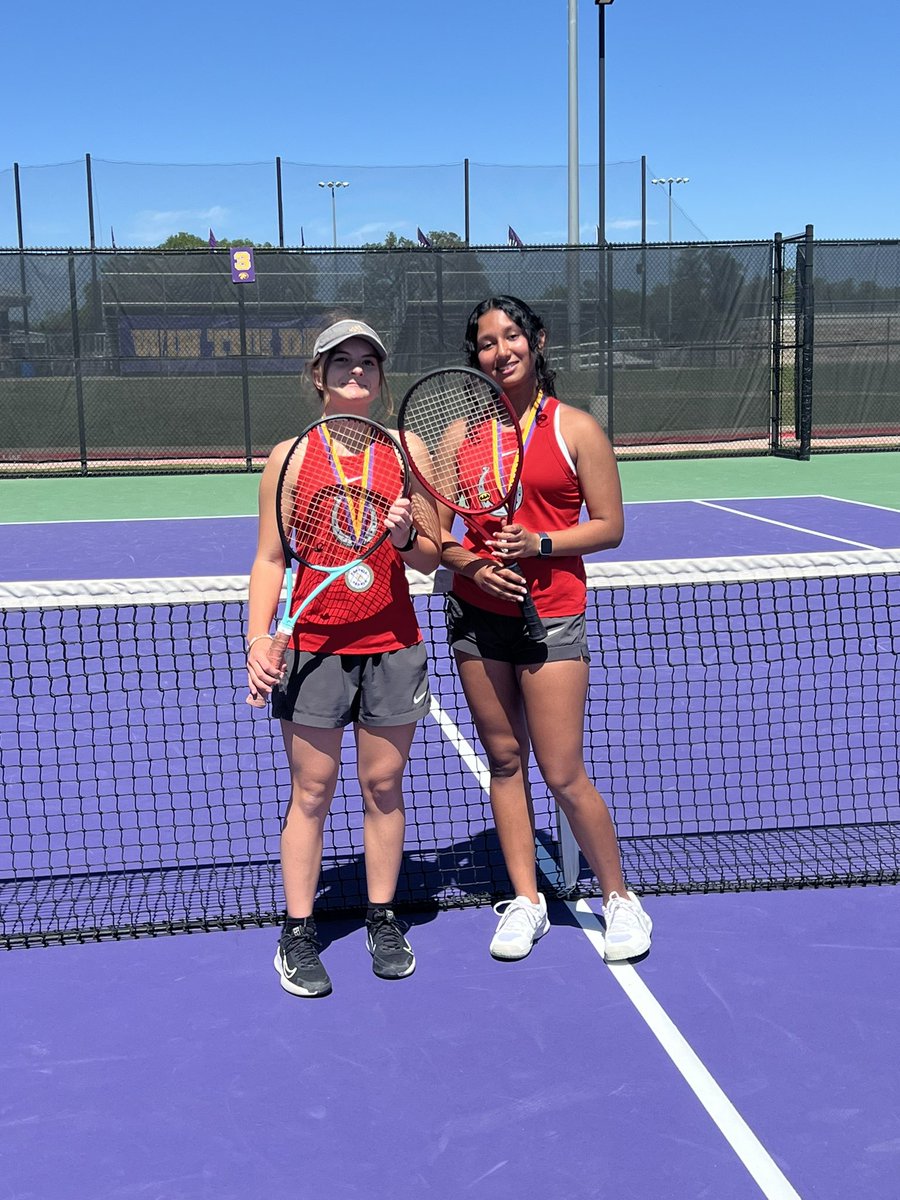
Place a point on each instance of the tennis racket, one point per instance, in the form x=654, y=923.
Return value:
x=472, y=433
x=337, y=484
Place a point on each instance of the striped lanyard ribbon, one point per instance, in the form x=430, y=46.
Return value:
x=355, y=512
x=527, y=431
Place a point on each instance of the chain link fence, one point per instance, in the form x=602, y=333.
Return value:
x=155, y=361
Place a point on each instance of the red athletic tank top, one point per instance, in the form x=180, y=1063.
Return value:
x=368, y=611
x=551, y=499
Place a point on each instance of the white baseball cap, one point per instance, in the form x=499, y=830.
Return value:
x=340, y=331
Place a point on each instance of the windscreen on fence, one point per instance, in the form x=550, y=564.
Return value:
x=157, y=361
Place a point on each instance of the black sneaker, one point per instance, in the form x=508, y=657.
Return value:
x=297, y=961
x=392, y=956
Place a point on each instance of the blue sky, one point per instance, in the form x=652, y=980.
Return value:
x=780, y=113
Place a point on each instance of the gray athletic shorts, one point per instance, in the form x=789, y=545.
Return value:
x=483, y=634
x=329, y=691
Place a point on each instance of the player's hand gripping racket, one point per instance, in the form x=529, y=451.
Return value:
x=336, y=486
x=472, y=433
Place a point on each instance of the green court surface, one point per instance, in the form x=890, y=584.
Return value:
x=870, y=478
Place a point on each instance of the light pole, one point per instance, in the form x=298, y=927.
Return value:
x=601, y=113
x=333, y=184
x=573, y=224
x=572, y=234
x=668, y=183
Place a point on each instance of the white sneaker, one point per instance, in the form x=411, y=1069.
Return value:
x=627, y=927
x=521, y=924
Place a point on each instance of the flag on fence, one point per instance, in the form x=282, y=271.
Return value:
x=302, y=239
x=212, y=240
x=513, y=239
x=423, y=240
x=112, y=237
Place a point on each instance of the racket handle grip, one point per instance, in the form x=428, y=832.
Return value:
x=278, y=648
x=275, y=658
x=534, y=626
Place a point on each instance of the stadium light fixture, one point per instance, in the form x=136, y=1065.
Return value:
x=668, y=183
x=333, y=185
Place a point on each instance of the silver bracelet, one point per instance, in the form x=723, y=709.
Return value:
x=254, y=640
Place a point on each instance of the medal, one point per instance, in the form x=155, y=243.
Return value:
x=359, y=578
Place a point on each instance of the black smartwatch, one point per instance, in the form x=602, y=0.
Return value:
x=413, y=538
x=545, y=547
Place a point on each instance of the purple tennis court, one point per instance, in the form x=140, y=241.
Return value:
x=210, y=546
x=752, y=1054
x=746, y=736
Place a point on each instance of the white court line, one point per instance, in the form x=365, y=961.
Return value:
x=735, y=1130
x=785, y=525
x=478, y=767
x=731, y=1124
x=254, y=515
x=463, y=747
x=727, y=1119
x=728, y=499
x=135, y=520
x=859, y=503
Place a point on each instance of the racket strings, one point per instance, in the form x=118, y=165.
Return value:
x=471, y=436
x=345, y=476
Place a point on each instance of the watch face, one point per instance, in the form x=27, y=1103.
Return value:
x=546, y=546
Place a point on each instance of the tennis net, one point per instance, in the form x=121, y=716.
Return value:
x=742, y=724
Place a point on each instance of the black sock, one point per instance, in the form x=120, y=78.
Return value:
x=291, y=922
x=375, y=908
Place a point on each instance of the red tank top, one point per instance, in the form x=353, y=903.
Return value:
x=551, y=499
x=343, y=619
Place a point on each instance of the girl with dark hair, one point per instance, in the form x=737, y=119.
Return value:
x=526, y=694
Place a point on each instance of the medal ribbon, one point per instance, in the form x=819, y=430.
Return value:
x=527, y=431
x=356, y=513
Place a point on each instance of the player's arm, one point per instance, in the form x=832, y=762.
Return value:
x=488, y=573
x=598, y=477
x=415, y=518
x=454, y=556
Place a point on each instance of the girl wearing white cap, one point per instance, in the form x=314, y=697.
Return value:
x=370, y=672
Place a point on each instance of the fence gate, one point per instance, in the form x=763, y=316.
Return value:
x=792, y=345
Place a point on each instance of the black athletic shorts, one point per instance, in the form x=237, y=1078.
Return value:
x=484, y=634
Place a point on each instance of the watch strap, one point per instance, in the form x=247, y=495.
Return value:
x=411, y=541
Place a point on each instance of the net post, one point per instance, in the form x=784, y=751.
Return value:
x=569, y=853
